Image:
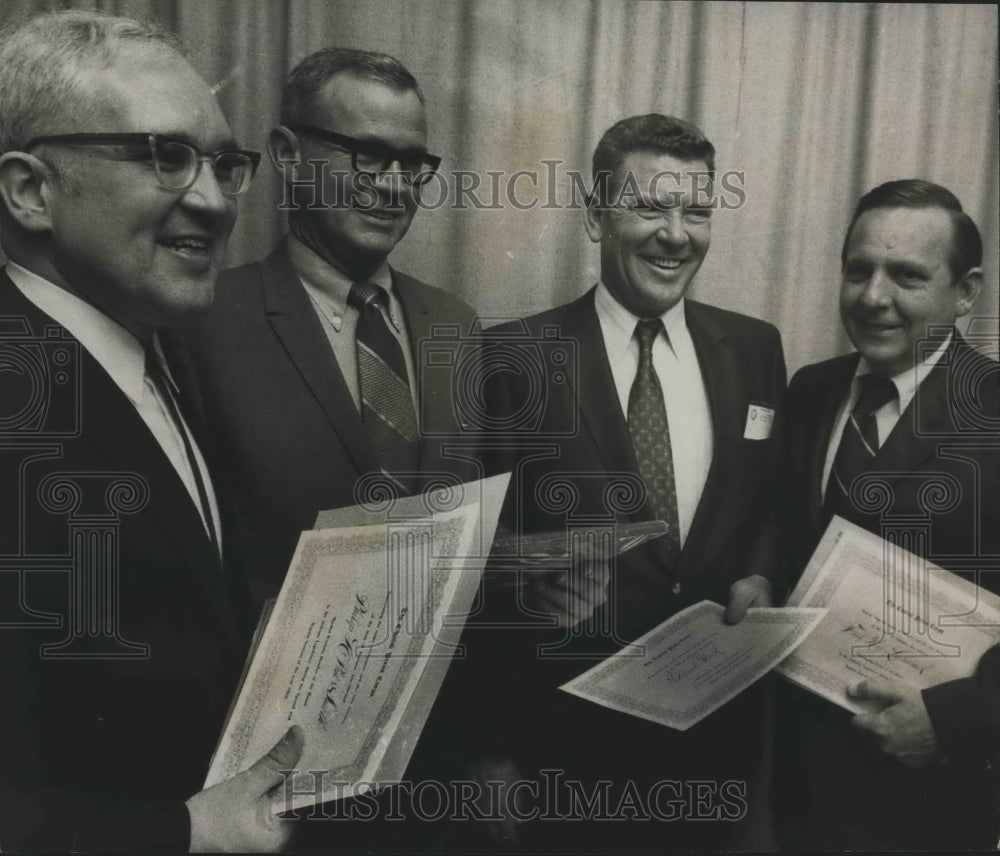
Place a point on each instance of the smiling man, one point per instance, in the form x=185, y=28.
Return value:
x=121, y=640
x=656, y=420
x=914, y=412
x=310, y=358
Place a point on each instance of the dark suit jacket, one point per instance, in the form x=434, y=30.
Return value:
x=581, y=421
x=283, y=414
x=577, y=434
x=942, y=463
x=103, y=739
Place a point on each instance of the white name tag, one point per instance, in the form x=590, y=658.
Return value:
x=759, y=422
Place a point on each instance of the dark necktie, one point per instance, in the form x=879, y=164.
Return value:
x=647, y=423
x=858, y=444
x=386, y=401
x=157, y=374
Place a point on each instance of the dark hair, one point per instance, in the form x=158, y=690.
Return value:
x=313, y=73
x=652, y=132
x=966, y=243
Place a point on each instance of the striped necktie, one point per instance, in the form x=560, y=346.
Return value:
x=647, y=423
x=386, y=400
x=858, y=444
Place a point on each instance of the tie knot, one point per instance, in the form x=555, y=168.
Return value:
x=875, y=391
x=646, y=332
x=364, y=295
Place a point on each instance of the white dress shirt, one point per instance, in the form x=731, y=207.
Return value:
x=328, y=289
x=123, y=357
x=689, y=414
x=888, y=414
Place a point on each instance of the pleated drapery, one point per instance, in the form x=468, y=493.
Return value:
x=813, y=103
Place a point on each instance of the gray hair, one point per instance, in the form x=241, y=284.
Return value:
x=43, y=61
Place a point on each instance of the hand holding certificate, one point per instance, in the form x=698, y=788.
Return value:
x=894, y=619
x=693, y=663
x=358, y=643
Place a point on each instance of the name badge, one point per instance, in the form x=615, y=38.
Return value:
x=759, y=422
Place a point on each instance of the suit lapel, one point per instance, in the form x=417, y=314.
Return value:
x=913, y=440
x=925, y=421
x=112, y=427
x=190, y=403
x=722, y=375
x=595, y=389
x=294, y=321
x=819, y=413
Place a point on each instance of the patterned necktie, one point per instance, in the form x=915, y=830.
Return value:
x=858, y=444
x=157, y=374
x=386, y=401
x=647, y=423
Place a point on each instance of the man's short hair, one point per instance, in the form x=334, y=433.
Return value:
x=310, y=76
x=652, y=132
x=966, y=244
x=43, y=62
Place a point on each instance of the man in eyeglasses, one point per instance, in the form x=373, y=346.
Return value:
x=120, y=640
x=311, y=358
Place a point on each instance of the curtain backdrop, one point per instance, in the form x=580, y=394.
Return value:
x=814, y=102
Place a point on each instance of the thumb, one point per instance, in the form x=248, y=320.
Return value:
x=741, y=596
x=284, y=755
x=874, y=692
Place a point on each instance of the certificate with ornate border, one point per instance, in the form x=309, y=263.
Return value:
x=356, y=647
x=693, y=663
x=894, y=618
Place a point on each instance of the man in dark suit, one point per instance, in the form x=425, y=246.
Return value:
x=281, y=352
x=120, y=636
x=920, y=770
x=651, y=406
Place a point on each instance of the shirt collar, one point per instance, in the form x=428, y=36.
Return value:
x=117, y=351
x=620, y=322
x=907, y=381
x=334, y=285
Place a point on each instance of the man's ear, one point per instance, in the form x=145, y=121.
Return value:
x=592, y=215
x=967, y=290
x=26, y=190
x=282, y=148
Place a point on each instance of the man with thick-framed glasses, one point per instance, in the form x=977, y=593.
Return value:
x=121, y=635
x=310, y=359
x=284, y=353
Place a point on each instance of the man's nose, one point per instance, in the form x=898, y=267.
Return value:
x=394, y=175
x=205, y=192
x=671, y=228
x=878, y=289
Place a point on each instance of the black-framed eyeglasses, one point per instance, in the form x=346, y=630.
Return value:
x=175, y=162
x=372, y=156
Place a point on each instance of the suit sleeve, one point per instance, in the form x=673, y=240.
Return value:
x=966, y=714
x=37, y=814
x=61, y=821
